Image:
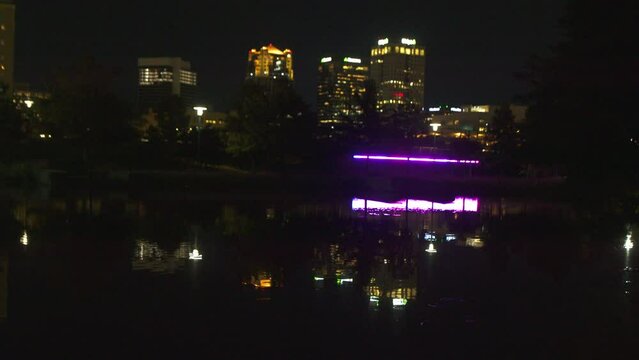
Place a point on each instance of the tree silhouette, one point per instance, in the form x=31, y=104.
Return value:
x=84, y=106
x=11, y=120
x=583, y=96
x=269, y=127
x=172, y=118
x=504, y=140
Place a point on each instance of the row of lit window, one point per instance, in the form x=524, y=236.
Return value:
x=392, y=101
x=188, y=77
x=150, y=76
x=398, y=50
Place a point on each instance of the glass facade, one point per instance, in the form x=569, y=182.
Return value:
x=340, y=83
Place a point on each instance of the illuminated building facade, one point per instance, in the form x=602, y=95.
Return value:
x=7, y=38
x=341, y=81
x=398, y=69
x=270, y=63
x=467, y=121
x=160, y=78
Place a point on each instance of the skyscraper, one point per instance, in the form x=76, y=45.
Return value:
x=160, y=78
x=270, y=62
x=341, y=81
x=7, y=37
x=398, y=71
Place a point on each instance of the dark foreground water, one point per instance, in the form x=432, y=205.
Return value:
x=356, y=278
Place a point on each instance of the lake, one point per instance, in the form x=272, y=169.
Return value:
x=360, y=276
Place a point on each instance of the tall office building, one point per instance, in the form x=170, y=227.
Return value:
x=160, y=78
x=269, y=66
x=7, y=37
x=398, y=71
x=340, y=82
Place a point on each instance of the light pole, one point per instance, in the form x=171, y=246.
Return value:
x=200, y=111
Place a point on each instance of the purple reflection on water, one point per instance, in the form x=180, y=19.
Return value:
x=460, y=204
x=414, y=159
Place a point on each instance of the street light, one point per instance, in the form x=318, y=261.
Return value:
x=435, y=127
x=200, y=111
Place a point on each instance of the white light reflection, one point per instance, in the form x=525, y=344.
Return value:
x=195, y=255
x=629, y=244
x=24, y=239
x=400, y=302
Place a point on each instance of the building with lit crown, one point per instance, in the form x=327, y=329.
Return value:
x=270, y=62
x=340, y=82
x=7, y=44
x=398, y=69
x=163, y=77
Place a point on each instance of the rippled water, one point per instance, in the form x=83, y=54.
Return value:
x=355, y=277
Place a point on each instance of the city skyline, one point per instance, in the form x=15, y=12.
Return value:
x=464, y=55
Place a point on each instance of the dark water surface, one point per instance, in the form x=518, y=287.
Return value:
x=115, y=276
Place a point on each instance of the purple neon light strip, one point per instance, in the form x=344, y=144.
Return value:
x=414, y=159
x=459, y=205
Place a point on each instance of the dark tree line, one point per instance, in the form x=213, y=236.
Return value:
x=583, y=97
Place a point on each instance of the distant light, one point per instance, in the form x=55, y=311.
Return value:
x=374, y=299
x=435, y=126
x=327, y=59
x=409, y=41
x=430, y=236
x=400, y=302
x=434, y=109
x=455, y=109
x=43, y=136
x=451, y=237
x=318, y=278
x=29, y=103
x=200, y=110
x=195, y=255
x=382, y=41
x=347, y=280
x=352, y=60
x=415, y=159
x=24, y=239
x=265, y=283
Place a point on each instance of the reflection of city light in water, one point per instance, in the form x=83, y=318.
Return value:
x=460, y=204
x=431, y=248
x=629, y=244
x=400, y=302
x=475, y=242
x=342, y=281
x=195, y=255
x=24, y=239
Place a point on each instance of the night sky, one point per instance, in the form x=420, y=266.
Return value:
x=473, y=47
